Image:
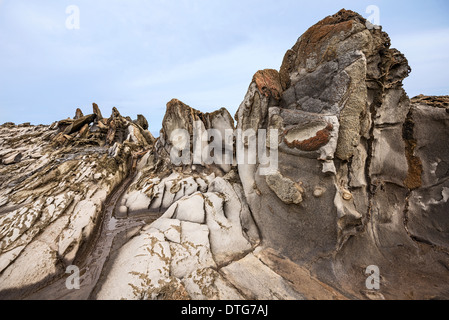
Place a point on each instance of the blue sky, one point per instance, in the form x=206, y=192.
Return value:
x=137, y=55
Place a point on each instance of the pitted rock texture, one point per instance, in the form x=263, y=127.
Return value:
x=364, y=201
x=361, y=180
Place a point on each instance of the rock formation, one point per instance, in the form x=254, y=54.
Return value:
x=361, y=180
x=357, y=145
x=54, y=191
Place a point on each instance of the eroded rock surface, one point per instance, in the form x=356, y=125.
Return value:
x=53, y=195
x=366, y=157
x=361, y=180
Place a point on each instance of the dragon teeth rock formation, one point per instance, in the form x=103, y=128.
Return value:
x=54, y=192
x=362, y=180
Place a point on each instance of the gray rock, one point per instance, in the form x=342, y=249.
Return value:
x=382, y=171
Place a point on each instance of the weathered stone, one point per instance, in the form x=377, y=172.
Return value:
x=342, y=70
x=257, y=281
x=141, y=121
x=286, y=189
x=428, y=170
x=79, y=123
x=97, y=112
x=361, y=180
x=13, y=158
x=78, y=114
x=268, y=83
x=208, y=284
x=308, y=138
x=179, y=116
x=141, y=268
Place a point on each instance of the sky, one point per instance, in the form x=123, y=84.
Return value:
x=137, y=55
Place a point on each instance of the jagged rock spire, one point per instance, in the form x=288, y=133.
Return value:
x=97, y=111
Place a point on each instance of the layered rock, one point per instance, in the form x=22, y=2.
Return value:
x=357, y=176
x=205, y=241
x=186, y=131
x=54, y=187
x=95, y=130
x=183, y=248
x=427, y=135
x=340, y=115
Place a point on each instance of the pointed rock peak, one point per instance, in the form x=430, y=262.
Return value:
x=220, y=119
x=180, y=115
x=79, y=123
x=174, y=101
x=115, y=113
x=177, y=109
x=342, y=16
x=78, y=114
x=332, y=39
x=177, y=104
x=268, y=82
x=97, y=111
x=141, y=121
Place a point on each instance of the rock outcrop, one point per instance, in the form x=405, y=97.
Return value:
x=359, y=178
x=360, y=150
x=53, y=194
x=192, y=142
